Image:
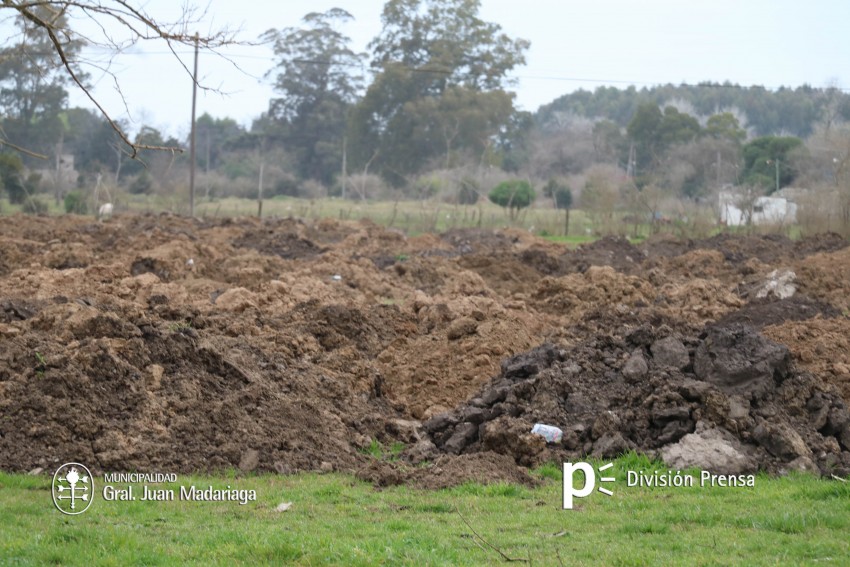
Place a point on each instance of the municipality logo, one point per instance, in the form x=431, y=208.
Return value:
x=73, y=489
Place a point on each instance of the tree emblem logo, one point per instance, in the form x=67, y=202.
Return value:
x=73, y=489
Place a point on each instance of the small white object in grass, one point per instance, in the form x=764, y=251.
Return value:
x=283, y=507
x=190, y=262
x=105, y=211
x=336, y=278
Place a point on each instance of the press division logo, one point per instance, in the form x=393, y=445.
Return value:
x=571, y=492
x=73, y=489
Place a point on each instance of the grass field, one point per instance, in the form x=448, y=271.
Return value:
x=430, y=216
x=337, y=520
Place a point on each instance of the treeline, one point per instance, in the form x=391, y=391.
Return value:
x=788, y=111
x=429, y=112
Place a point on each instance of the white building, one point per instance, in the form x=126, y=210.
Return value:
x=765, y=210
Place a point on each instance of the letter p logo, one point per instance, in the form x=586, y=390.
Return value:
x=571, y=492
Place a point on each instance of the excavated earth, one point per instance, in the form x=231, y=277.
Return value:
x=167, y=344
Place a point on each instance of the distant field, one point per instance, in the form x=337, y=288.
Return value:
x=414, y=217
x=337, y=520
x=431, y=216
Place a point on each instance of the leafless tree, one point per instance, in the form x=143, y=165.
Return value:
x=121, y=25
x=745, y=201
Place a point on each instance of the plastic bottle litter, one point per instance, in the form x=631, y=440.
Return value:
x=551, y=433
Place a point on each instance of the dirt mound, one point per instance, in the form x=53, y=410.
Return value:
x=647, y=391
x=155, y=342
x=126, y=393
x=769, y=249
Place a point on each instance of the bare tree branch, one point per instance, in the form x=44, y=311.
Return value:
x=51, y=15
x=507, y=558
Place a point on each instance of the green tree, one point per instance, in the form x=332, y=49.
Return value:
x=215, y=137
x=676, y=128
x=609, y=144
x=513, y=195
x=643, y=131
x=654, y=133
x=767, y=161
x=33, y=82
x=439, y=88
x=725, y=126
x=11, y=177
x=318, y=78
x=75, y=203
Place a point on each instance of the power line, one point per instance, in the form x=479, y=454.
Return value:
x=436, y=71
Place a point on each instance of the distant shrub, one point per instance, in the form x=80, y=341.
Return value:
x=11, y=177
x=513, y=195
x=429, y=186
x=142, y=184
x=369, y=186
x=34, y=206
x=468, y=192
x=285, y=186
x=75, y=203
x=312, y=189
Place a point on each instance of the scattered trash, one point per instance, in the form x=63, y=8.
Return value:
x=551, y=433
x=336, y=278
x=190, y=262
x=283, y=507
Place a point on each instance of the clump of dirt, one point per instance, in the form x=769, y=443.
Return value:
x=761, y=313
x=460, y=345
x=472, y=240
x=647, y=390
x=287, y=245
x=826, y=242
x=768, y=249
x=575, y=294
x=826, y=276
x=506, y=275
x=614, y=251
x=819, y=345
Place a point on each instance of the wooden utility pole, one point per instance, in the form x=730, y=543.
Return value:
x=192, y=135
x=344, y=163
x=718, y=168
x=260, y=190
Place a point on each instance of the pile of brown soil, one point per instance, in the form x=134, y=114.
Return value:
x=161, y=343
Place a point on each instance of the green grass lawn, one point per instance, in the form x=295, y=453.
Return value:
x=337, y=520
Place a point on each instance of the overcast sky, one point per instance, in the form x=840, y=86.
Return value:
x=574, y=44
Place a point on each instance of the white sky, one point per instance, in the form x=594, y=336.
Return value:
x=574, y=44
